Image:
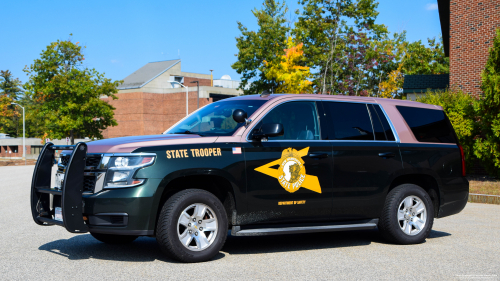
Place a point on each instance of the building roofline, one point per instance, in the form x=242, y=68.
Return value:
x=145, y=83
x=444, y=18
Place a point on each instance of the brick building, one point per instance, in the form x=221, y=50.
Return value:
x=12, y=148
x=468, y=29
x=149, y=103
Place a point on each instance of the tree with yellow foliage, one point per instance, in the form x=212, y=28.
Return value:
x=289, y=72
x=390, y=87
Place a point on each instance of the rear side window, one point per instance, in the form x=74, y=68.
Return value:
x=428, y=125
x=380, y=125
x=351, y=121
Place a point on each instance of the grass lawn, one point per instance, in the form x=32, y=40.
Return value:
x=481, y=185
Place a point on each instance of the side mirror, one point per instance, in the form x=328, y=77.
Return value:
x=240, y=116
x=269, y=130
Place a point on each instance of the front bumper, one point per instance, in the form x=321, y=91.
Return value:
x=125, y=211
x=132, y=204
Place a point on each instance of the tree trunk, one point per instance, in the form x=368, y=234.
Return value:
x=72, y=137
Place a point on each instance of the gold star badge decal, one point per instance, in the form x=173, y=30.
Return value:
x=291, y=173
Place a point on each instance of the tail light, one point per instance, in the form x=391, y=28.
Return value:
x=463, y=159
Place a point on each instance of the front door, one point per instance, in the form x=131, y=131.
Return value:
x=365, y=159
x=289, y=177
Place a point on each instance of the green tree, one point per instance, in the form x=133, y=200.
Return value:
x=344, y=44
x=419, y=59
x=10, y=91
x=265, y=45
x=487, y=147
x=459, y=108
x=68, y=95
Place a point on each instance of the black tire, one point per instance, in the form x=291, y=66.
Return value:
x=114, y=239
x=389, y=225
x=167, y=226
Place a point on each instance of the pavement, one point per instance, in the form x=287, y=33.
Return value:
x=465, y=246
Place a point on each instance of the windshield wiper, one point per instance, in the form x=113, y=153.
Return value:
x=187, y=133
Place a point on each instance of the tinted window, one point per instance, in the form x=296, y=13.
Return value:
x=299, y=120
x=428, y=125
x=380, y=125
x=216, y=119
x=377, y=124
x=351, y=121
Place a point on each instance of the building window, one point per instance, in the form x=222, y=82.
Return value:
x=35, y=149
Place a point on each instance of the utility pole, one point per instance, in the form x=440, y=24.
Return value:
x=24, y=134
x=211, y=78
x=197, y=90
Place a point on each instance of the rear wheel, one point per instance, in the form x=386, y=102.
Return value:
x=407, y=216
x=114, y=239
x=192, y=226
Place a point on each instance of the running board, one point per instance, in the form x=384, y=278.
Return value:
x=237, y=231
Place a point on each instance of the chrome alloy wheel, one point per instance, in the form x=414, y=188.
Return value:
x=412, y=215
x=197, y=227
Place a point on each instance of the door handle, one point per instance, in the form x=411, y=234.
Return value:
x=386, y=155
x=317, y=155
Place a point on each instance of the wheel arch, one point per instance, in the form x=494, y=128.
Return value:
x=428, y=182
x=215, y=181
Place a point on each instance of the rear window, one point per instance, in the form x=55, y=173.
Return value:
x=428, y=125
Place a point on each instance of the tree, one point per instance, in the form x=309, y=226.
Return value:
x=10, y=91
x=339, y=41
x=257, y=47
x=414, y=58
x=422, y=60
x=487, y=146
x=68, y=95
x=290, y=74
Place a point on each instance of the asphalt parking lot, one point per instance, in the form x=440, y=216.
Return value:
x=461, y=247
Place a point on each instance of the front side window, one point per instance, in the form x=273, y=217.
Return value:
x=299, y=120
x=216, y=119
x=351, y=121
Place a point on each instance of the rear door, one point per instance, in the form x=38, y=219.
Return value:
x=289, y=177
x=365, y=158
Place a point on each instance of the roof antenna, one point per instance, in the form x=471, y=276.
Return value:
x=265, y=94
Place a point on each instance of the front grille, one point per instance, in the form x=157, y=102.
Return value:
x=88, y=184
x=64, y=160
x=93, y=161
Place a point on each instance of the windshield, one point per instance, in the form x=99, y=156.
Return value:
x=215, y=119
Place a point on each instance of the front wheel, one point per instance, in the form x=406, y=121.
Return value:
x=407, y=216
x=192, y=226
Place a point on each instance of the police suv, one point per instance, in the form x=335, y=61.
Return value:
x=260, y=165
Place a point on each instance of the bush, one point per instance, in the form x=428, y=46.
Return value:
x=487, y=147
x=459, y=108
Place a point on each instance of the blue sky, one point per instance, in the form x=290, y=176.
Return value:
x=122, y=36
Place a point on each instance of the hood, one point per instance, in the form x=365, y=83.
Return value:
x=129, y=144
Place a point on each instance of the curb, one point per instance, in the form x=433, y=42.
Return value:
x=484, y=198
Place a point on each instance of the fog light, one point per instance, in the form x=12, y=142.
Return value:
x=120, y=176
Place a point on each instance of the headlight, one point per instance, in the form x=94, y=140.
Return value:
x=121, y=170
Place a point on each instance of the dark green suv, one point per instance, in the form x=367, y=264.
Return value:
x=277, y=164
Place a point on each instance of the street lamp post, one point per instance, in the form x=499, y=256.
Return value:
x=187, y=93
x=24, y=134
x=197, y=91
